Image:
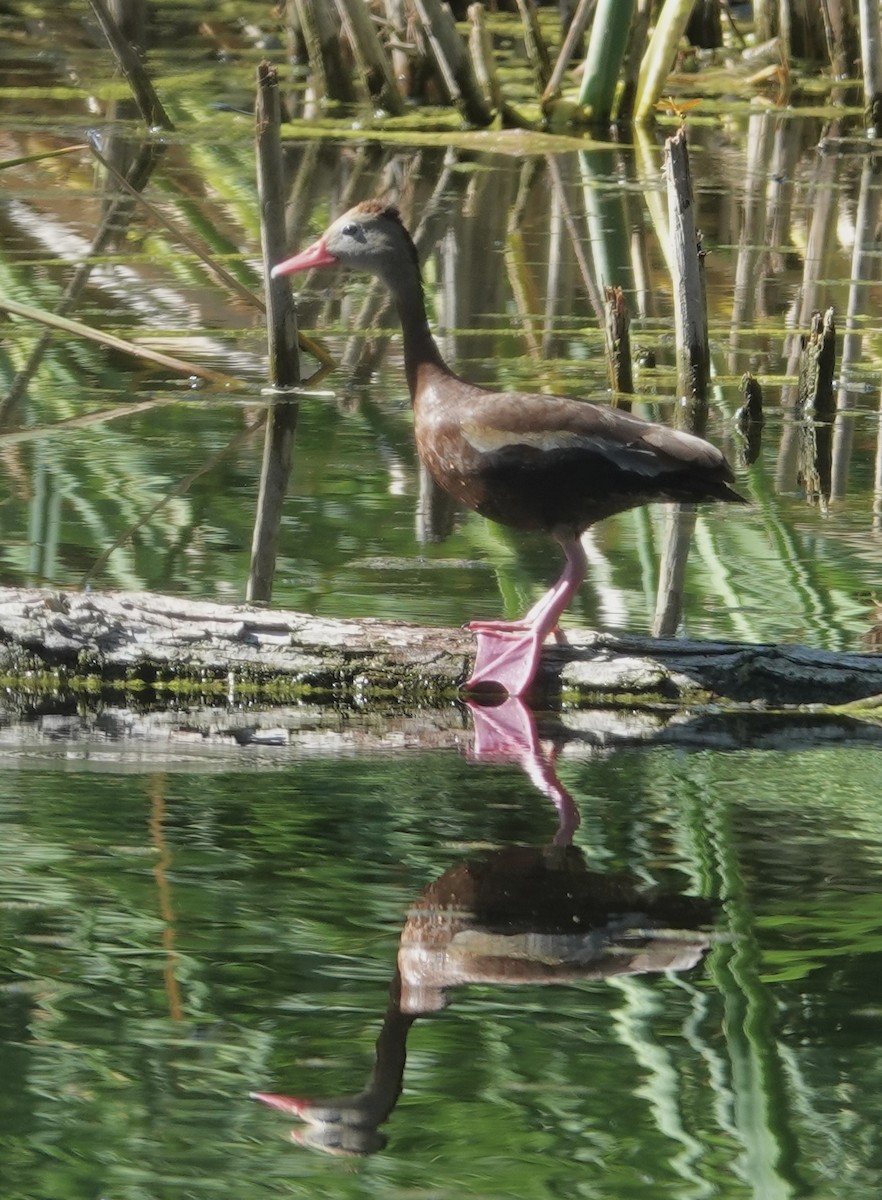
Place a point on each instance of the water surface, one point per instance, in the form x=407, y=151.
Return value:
x=177, y=931
x=172, y=942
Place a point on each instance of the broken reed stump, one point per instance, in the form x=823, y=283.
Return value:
x=481, y=54
x=637, y=41
x=693, y=370
x=816, y=405
x=749, y=419
x=687, y=277
x=333, y=29
x=814, y=468
x=320, y=28
x=617, y=323
x=129, y=61
x=816, y=364
x=373, y=63
x=572, y=47
x=451, y=60
x=751, y=411
x=871, y=61
x=281, y=320
x=534, y=44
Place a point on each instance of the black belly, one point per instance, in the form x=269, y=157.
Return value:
x=536, y=490
x=525, y=494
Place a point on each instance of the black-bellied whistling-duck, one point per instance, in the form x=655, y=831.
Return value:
x=526, y=460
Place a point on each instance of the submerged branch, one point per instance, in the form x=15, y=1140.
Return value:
x=22, y=160
x=78, y=329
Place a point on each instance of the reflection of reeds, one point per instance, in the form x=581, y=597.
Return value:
x=180, y=489
x=864, y=271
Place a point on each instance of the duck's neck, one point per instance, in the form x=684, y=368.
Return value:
x=420, y=348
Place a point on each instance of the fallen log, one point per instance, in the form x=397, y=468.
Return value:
x=96, y=644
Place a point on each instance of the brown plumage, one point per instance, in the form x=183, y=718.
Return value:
x=523, y=459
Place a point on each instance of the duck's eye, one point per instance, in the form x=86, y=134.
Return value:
x=354, y=231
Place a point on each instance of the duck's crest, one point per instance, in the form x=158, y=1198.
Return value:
x=378, y=208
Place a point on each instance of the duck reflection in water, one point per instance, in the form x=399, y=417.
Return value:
x=519, y=915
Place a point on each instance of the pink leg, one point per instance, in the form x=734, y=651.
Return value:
x=508, y=652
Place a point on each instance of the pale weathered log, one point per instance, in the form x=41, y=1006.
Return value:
x=128, y=639
x=140, y=635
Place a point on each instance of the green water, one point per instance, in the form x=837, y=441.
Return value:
x=171, y=942
x=182, y=924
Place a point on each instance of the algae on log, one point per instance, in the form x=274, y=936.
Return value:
x=111, y=640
